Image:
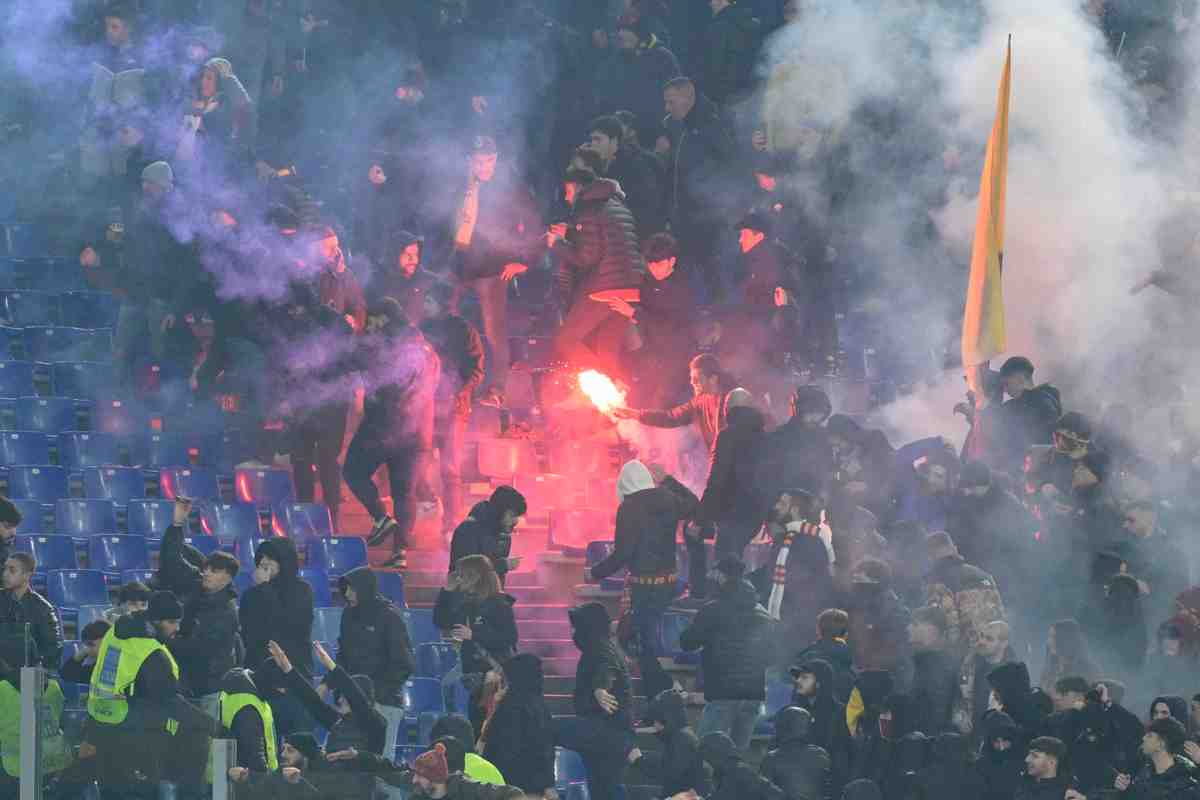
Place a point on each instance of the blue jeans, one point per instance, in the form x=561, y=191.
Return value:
x=736, y=718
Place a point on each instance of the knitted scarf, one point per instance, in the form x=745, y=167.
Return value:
x=779, y=578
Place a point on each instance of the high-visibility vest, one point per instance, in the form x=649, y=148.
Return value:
x=55, y=756
x=117, y=665
x=231, y=704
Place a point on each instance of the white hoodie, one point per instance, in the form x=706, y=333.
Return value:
x=634, y=478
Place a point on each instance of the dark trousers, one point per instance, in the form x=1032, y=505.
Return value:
x=316, y=439
x=732, y=537
x=649, y=605
x=368, y=452
x=603, y=747
x=448, y=438
x=493, y=310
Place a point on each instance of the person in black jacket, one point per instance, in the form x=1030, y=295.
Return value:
x=254, y=732
x=207, y=644
x=798, y=454
x=935, y=671
x=814, y=692
x=1125, y=728
x=795, y=764
x=832, y=647
x=647, y=521
x=373, y=641
x=602, y=729
x=1000, y=759
x=402, y=278
x=638, y=178
x=733, y=778
x=1027, y=418
x=488, y=530
x=734, y=632
x=10, y=519
x=678, y=766
x=1045, y=775
x=401, y=371
x=279, y=607
x=519, y=737
x=597, y=252
x=731, y=40
x=20, y=605
x=460, y=350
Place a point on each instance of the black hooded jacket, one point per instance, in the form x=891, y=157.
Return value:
x=829, y=729
x=730, y=44
x=601, y=666
x=493, y=626
x=734, y=779
x=999, y=771
x=730, y=492
x=480, y=534
x=678, y=766
x=1177, y=783
x=949, y=773
x=800, y=768
x=519, y=739
x=374, y=639
x=1027, y=707
x=1025, y=421
x=734, y=632
x=400, y=399
x=645, y=532
x=935, y=684
x=280, y=610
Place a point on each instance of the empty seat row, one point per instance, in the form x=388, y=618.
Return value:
x=47, y=483
x=63, y=379
x=54, y=343
x=24, y=239
x=20, y=308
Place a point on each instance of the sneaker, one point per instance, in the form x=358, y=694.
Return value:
x=492, y=397
x=379, y=533
x=397, y=561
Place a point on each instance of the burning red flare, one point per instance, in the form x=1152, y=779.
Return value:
x=601, y=390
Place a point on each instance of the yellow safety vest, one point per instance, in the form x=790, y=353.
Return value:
x=117, y=665
x=231, y=704
x=55, y=756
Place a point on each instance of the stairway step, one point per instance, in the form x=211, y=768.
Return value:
x=565, y=685
x=545, y=628
x=548, y=648
x=436, y=578
x=522, y=611
x=532, y=595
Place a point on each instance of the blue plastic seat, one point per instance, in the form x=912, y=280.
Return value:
x=198, y=483
x=45, y=484
x=779, y=697
x=119, y=416
x=420, y=626
x=16, y=379
x=229, y=522
x=302, y=521
x=89, y=613
x=673, y=624
x=207, y=545
x=245, y=548
x=72, y=588
x=597, y=552
x=577, y=791
x=139, y=575
x=83, y=519
x=338, y=554
x=33, y=517
x=83, y=379
x=318, y=579
x=327, y=624
x=407, y=753
x=24, y=239
x=118, y=484
x=164, y=450
x=149, y=517
x=78, y=450
x=264, y=488
x=391, y=586
x=435, y=659
x=56, y=343
x=568, y=768
x=51, y=551
x=89, y=309
x=12, y=343
x=47, y=414
x=421, y=695
x=22, y=309
x=47, y=274
x=112, y=555
x=24, y=447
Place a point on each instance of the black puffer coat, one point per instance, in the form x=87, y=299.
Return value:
x=829, y=729
x=730, y=492
x=645, y=532
x=601, y=249
x=493, y=626
x=733, y=777
x=678, y=766
x=519, y=740
x=601, y=666
x=797, y=766
x=373, y=639
x=280, y=610
x=734, y=632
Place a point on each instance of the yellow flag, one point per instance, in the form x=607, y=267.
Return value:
x=983, y=335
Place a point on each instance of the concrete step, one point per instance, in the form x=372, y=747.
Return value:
x=546, y=628
x=419, y=577
x=565, y=685
x=522, y=611
x=548, y=648
x=532, y=595
x=563, y=666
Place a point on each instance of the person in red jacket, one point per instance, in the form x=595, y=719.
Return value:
x=706, y=408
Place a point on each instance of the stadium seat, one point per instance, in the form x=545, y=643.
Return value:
x=24, y=447
x=12, y=343
x=51, y=343
x=112, y=555
x=338, y=555
x=46, y=274
x=207, y=545
x=89, y=309
x=163, y=450
x=597, y=552
x=229, y=522
x=435, y=659
x=302, y=521
x=573, y=528
x=51, y=551
x=24, y=240
x=149, y=517
x=198, y=483
x=673, y=624
x=52, y=415
x=119, y=417
x=118, y=484
x=83, y=519
x=779, y=696
x=70, y=589
x=16, y=379
x=318, y=669
x=140, y=575
x=75, y=695
x=568, y=768
x=420, y=626
x=318, y=579
x=78, y=450
x=245, y=548
x=407, y=753
x=45, y=484
x=577, y=791
x=265, y=488
x=327, y=624
x=421, y=695
x=83, y=379
x=22, y=309
x=90, y=613
x=503, y=458
x=391, y=586
x=33, y=517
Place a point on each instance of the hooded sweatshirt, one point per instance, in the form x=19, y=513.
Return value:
x=281, y=610
x=647, y=520
x=519, y=738
x=480, y=534
x=601, y=666
x=796, y=764
x=828, y=717
x=373, y=640
x=734, y=778
x=678, y=766
x=999, y=770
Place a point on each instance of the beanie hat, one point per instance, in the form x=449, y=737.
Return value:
x=164, y=606
x=306, y=743
x=431, y=765
x=160, y=174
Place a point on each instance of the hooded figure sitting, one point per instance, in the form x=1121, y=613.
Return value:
x=949, y=772
x=814, y=683
x=373, y=639
x=1026, y=706
x=678, y=766
x=519, y=737
x=733, y=777
x=796, y=765
x=1001, y=756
